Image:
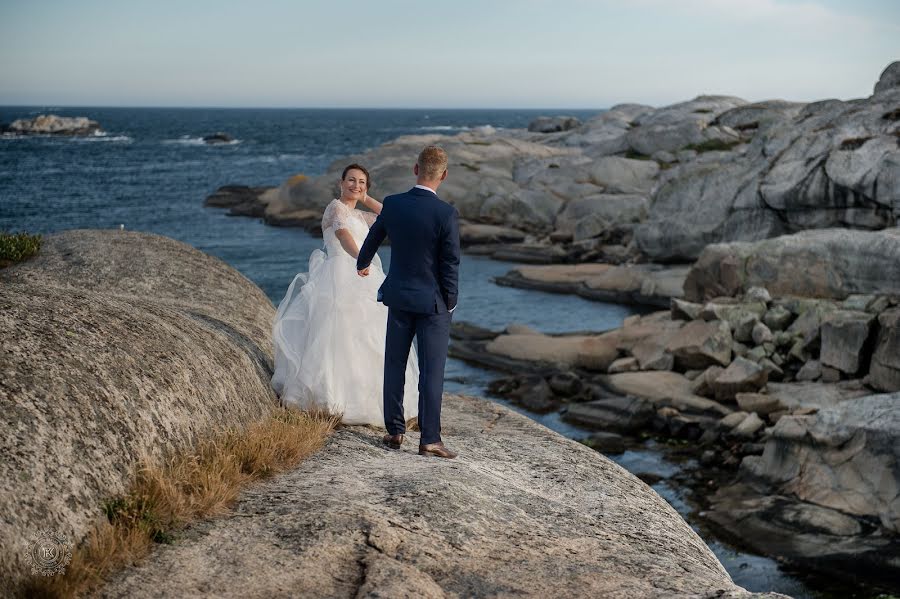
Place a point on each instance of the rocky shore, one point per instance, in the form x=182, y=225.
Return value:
x=789, y=404
x=770, y=232
x=118, y=345
x=638, y=184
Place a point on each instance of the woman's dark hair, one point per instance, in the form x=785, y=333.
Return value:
x=358, y=167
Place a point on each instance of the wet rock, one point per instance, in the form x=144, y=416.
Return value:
x=566, y=384
x=218, y=138
x=605, y=442
x=620, y=414
x=531, y=392
x=241, y=200
x=51, y=124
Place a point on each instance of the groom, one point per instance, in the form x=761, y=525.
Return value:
x=420, y=292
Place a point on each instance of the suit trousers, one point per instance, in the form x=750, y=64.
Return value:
x=432, y=333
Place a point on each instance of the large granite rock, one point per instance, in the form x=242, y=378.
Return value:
x=818, y=165
x=826, y=489
x=649, y=284
x=115, y=344
x=831, y=263
x=521, y=512
x=884, y=372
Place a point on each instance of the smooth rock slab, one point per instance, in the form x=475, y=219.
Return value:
x=546, y=517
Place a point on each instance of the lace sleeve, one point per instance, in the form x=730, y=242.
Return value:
x=367, y=216
x=336, y=215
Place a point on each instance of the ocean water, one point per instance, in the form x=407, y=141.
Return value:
x=150, y=172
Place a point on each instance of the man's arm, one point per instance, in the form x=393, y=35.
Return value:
x=448, y=266
x=376, y=235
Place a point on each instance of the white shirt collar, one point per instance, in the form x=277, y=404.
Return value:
x=426, y=188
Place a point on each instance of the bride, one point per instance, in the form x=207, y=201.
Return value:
x=329, y=331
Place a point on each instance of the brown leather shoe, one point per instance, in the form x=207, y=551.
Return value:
x=438, y=450
x=392, y=441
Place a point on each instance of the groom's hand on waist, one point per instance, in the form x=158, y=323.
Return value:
x=364, y=272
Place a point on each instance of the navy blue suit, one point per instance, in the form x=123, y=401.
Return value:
x=420, y=289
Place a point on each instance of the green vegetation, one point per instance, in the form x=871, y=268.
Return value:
x=16, y=247
x=712, y=145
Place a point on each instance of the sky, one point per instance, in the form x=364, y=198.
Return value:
x=456, y=54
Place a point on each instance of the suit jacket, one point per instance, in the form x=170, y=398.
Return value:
x=424, y=272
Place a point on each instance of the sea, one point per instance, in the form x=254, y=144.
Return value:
x=151, y=171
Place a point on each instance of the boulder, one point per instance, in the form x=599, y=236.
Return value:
x=749, y=426
x=884, y=372
x=624, y=175
x=843, y=457
x=844, y=335
x=741, y=376
x=890, y=78
x=620, y=414
x=663, y=389
x=116, y=344
x=218, y=138
x=700, y=344
x=759, y=403
x=830, y=263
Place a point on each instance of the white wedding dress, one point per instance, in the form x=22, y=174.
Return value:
x=329, y=332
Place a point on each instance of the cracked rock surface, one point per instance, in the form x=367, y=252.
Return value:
x=522, y=511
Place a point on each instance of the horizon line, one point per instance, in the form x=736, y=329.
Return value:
x=57, y=105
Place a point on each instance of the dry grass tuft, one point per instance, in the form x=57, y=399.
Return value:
x=164, y=498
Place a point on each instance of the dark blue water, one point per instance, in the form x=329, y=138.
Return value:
x=151, y=172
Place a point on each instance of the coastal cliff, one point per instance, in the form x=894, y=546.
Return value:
x=118, y=345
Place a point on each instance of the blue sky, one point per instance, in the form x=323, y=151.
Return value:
x=459, y=54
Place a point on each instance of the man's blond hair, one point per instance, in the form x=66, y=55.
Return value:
x=432, y=163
